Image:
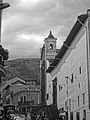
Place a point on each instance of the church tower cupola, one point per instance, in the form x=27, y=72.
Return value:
x=50, y=35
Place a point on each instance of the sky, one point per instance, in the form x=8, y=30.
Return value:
x=26, y=23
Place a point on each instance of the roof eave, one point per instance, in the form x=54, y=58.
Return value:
x=68, y=42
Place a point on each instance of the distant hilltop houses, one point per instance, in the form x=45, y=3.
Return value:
x=21, y=85
x=24, y=96
x=26, y=69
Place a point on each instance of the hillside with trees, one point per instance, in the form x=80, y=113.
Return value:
x=26, y=69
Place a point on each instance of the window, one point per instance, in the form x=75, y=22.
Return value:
x=84, y=114
x=28, y=109
x=0, y=96
x=79, y=85
x=78, y=101
x=83, y=98
x=77, y=116
x=70, y=104
x=51, y=46
x=66, y=105
x=72, y=78
x=21, y=98
x=47, y=96
x=71, y=115
x=24, y=98
x=23, y=110
x=80, y=70
x=55, y=91
x=59, y=88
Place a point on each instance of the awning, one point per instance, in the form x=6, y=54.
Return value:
x=2, y=71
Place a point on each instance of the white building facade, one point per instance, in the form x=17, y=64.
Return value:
x=71, y=69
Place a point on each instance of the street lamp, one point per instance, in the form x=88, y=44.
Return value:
x=3, y=52
x=4, y=5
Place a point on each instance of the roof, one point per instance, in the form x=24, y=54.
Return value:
x=57, y=51
x=67, y=42
x=50, y=36
x=13, y=80
x=16, y=79
x=2, y=71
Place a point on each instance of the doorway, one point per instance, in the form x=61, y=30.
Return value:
x=77, y=116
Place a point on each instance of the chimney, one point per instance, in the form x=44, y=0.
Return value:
x=88, y=13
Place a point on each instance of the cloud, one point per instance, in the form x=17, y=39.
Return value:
x=27, y=22
x=26, y=3
x=25, y=45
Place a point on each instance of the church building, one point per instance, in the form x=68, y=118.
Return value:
x=48, y=53
x=71, y=72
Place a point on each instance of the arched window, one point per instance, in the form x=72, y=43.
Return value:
x=84, y=114
x=21, y=98
x=51, y=46
x=24, y=98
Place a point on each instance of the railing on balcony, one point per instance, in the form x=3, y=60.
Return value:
x=26, y=102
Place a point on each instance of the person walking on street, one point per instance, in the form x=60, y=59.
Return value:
x=25, y=116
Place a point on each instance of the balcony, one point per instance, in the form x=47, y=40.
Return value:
x=26, y=103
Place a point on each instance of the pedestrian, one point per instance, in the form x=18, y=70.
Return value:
x=42, y=115
x=84, y=119
x=33, y=117
x=28, y=116
x=1, y=114
x=61, y=118
x=38, y=117
x=25, y=116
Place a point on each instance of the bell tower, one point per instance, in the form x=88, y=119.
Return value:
x=48, y=53
x=50, y=47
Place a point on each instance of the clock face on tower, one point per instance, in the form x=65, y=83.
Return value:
x=51, y=46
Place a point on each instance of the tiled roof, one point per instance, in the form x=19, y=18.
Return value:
x=50, y=36
x=68, y=42
x=13, y=80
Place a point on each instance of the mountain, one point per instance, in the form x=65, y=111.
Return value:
x=26, y=69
